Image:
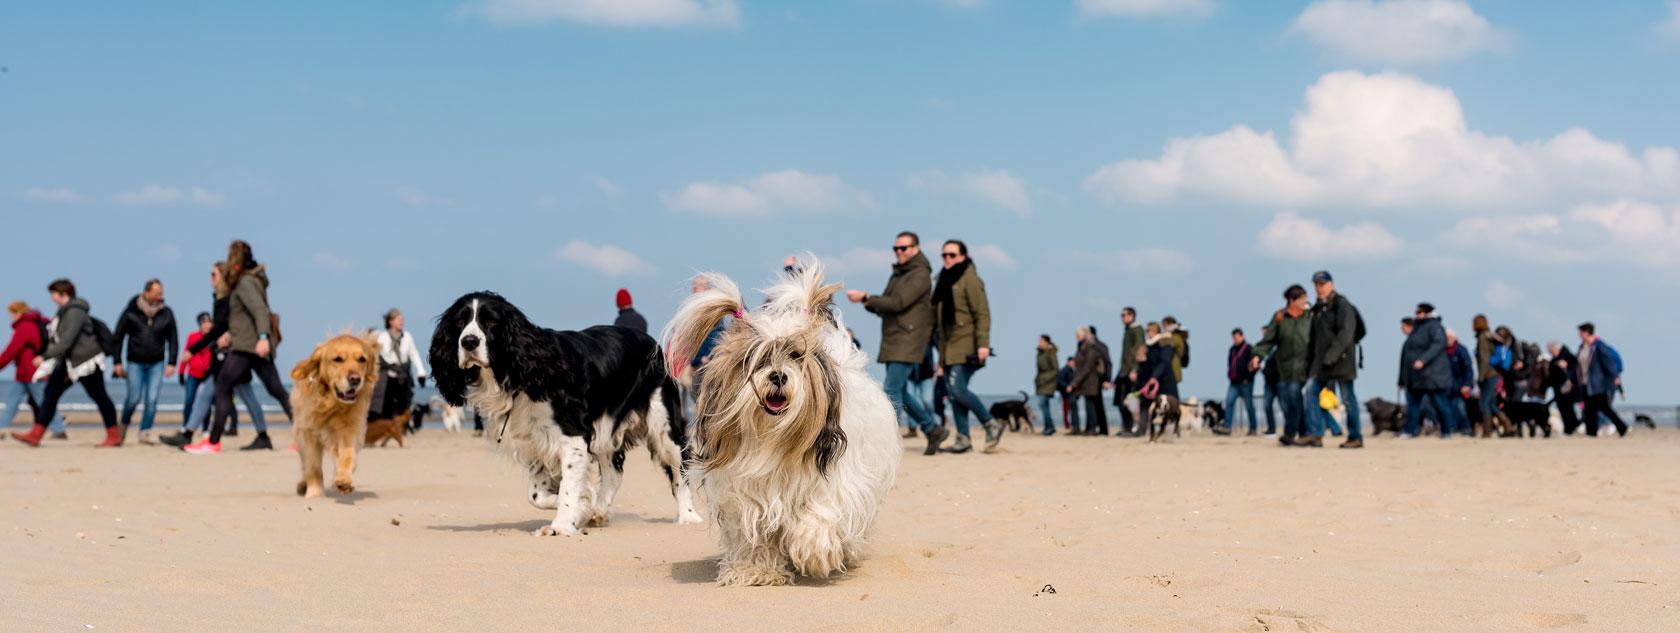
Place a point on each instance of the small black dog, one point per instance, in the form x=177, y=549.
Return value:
x=1016, y=411
x=1645, y=420
x=1213, y=418
x=421, y=410
x=1533, y=416
x=1385, y=416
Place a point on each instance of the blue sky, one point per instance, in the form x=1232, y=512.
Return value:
x=1188, y=157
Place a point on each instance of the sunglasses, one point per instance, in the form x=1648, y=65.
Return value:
x=900, y=249
x=950, y=255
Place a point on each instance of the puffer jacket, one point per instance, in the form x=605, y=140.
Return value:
x=248, y=313
x=972, y=329
x=1427, y=343
x=150, y=340
x=25, y=345
x=1333, y=353
x=1044, y=383
x=1285, y=341
x=72, y=334
x=906, y=311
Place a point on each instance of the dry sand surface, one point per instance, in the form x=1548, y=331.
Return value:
x=1199, y=534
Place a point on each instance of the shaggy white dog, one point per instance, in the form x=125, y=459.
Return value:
x=796, y=445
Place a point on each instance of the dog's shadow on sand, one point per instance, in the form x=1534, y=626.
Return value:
x=521, y=526
x=705, y=571
x=353, y=497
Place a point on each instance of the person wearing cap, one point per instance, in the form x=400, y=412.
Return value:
x=627, y=314
x=1426, y=372
x=1332, y=361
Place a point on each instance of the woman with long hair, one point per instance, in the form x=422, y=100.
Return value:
x=251, y=341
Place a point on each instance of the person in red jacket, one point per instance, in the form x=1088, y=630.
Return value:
x=26, y=344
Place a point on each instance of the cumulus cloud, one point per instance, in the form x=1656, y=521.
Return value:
x=859, y=261
x=1292, y=237
x=995, y=187
x=58, y=195
x=1387, y=140
x=1142, y=261
x=329, y=260
x=1144, y=8
x=1627, y=230
x=161, y=195
x=786, y=190
x=606, y=259
x=1500, y=294
x=612, y=13
x=993, y=256
x=1399, y=31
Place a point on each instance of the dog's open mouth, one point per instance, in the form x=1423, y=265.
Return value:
x=346, y=395
x=776, y=403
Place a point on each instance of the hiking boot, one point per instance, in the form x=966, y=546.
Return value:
x=1252, y=432
x=259, y=444
x=1220, y=430
x=1286, y=440
x=33, y=437
x=909, y=434
x=960, y=445
x=934, y=437
x=203, y=447
x=1357, y=442
x=994, y=434
x=177, y=440
x=1308, y=441
x=113, y=437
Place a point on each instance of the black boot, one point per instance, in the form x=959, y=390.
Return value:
x=259, y=444
x=177, y=440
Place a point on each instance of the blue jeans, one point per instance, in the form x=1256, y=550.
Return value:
x=18, y=393
x=964, y=401
x=1244, y=392
x=1460, y=414
x=1490, y=398
x=1318, y=418
x=1267, y=401
x=1416, y=400
x=1044, y=409
x=145, y=380
x=1071, y=403
x=1294, y=414
x=204, y=401
x=905, y=405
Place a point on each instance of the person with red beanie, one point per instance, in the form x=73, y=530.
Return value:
x=627, y=314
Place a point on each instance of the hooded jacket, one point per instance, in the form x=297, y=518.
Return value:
x=1285, y=341
x=1044, y=382
x=72, y=335
x=248, y=313
x=906, y=311
x=1427, y=343
x=150, y=339
x=25, y=345
x=1333, y=352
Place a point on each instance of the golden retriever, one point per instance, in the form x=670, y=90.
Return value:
x=330, y=397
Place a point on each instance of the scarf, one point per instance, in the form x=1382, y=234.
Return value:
x=148, y=308
x=942, y=291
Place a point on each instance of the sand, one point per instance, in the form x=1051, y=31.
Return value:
x=1199, y=534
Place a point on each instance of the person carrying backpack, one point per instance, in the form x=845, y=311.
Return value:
x=252, y=334
x=29, y=339
x=1332, y=361
x=1601, y=376
x=77, y=353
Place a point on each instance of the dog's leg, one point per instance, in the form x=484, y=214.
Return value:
x=748, y=562
x=309, y=452
x=574, y=476
x=611, y=467
x=344, y=448
x=542, y=489
x=814, y=544
x=669, y=454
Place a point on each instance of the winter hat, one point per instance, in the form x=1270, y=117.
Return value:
x=623, y=298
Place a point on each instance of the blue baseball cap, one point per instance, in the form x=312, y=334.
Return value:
x=1322, y=276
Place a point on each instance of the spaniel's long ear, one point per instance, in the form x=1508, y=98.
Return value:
x=831, y=441
x=446, y=362
x=307, y=368
x=695, y=319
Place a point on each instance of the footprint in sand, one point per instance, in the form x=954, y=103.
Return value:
x=1555, y=620
x=1545, y=563
x=1269, y=620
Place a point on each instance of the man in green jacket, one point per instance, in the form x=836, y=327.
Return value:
x=1123, y=385
x=1285, y=340
x=1044, y=382
x=906, y=326
x=965, y=333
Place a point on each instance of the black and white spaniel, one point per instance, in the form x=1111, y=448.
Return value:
x=551, y=399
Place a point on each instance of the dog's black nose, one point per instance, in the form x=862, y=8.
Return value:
x=353, y=379
x=778, y=379
x=470, y=342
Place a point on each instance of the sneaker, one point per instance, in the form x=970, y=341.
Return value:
x=960, y=445
x=934, y=437
x=145, y=437
x=177, y=440
x=203, y=447
x=61, y=435
x=259, y=444
x=994, y=434
x=1357, y=442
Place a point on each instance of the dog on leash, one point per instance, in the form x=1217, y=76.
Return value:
x=1165, y=410
x=1015, y=411
x=1385, y=416
x=332, y=390
x=795, y=444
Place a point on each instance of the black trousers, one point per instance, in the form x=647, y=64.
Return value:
x=1123, y=386
x=1096, y=416
x=233, y=369
x=60, y=382
x=1595, y=405
x=1566, y=408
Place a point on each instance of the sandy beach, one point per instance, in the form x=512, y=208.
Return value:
x=1199, y=534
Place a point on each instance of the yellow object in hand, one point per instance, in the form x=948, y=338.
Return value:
x=1327, y=399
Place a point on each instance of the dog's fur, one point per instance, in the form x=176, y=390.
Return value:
x=1213, y=417
x=1645, y=421
x=796, y=446
x=1532, y=416
x=383, y=430
x=553, y=399
x=1385, y=416
x=450, y=414
x=1015, y=411
x=1163, y=411
x=331, y=392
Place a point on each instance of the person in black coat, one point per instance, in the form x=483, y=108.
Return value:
x=1070, y=410
x=1425, y=370
x=1561, y=377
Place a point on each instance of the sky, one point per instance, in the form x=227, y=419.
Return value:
x=1187, y=157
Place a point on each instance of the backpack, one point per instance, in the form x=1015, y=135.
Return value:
x=102, y=334
x=46, y=337
x=1500, y=358
x=1184, y=363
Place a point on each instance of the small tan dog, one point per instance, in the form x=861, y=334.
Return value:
x=380, y=432
x=330, y=398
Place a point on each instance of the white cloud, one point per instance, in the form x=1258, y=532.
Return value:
x=992, y=255
x=161, y=195
x=1142, y=261
x=1144, y=8
x=1500, y=294
x=995, y=187
x=1626, y=230
x=613, y=13
x=416, y=198
x=606, y=259
x=859, y=261
x=329, y=260
x=1399, y=31
x=1387, y=140
x=1293, y=237
x=59, y=195
x=605, y=185
x=1638, y=231
x=786, y=190
x=1670, y=27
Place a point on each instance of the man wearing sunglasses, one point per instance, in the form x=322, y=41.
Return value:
x=906, y=327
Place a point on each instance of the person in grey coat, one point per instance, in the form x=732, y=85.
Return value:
x=76, y=357
x=1426, y=369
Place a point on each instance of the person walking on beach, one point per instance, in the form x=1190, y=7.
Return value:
x=148, y=326
x=1488, y=379
x=1239, y=370
x=1463, y=382
x=1600, y=376
x=627, y=314
x=1269, y=387
x=964, y=319
x=1286, y=343
x=400, y=366
x=75, y=355
x=251, y=333
x=1070, y=407
x=1565, y=383
x=1155, y=377
x=1178, y=339
x=29, y=340
x=1130, y=341
x=906, y=327
x=1428, y=372
x=1333, y=359
x=1090, y=370
x=212, y=341
x=1044, y=381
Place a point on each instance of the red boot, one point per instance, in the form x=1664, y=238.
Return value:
x=113, y=437
x=33, y=437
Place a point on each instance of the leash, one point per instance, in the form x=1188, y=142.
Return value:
x=505, y=420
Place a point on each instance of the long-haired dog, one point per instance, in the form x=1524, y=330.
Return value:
x=795, y=444
x=553, y=399
x=331, y=392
